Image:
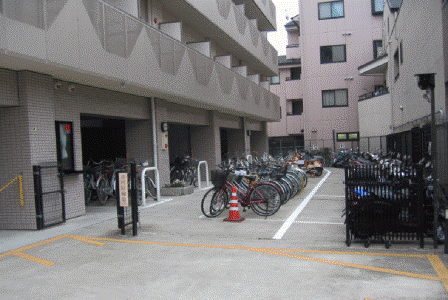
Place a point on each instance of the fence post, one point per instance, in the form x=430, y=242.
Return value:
x=38, y=197
x=134, y=203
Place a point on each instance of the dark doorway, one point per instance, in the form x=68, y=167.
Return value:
x=224, y=145
x=102, y=138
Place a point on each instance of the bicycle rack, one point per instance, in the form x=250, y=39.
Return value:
x=249, y=158
x=143, y=183
x=207, y=176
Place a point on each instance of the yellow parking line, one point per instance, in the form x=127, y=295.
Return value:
x=282, y=253
x=370, y=268
x=354, y=253
x=85, y=240
x=440, y=268
x=435, y=261
x=33, y=258
x=19, y=252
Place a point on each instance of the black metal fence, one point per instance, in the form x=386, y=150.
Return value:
x=49, y=195
x=387, y=204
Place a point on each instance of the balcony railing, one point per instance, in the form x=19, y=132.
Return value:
x=376, y=93
x=117, y=33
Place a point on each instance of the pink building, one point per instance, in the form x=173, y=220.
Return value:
x=319, y=84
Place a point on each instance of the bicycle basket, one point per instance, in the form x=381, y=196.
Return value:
x=218, y=177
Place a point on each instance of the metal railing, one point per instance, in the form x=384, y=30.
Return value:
x=379, y=92
x=157, y=178
x=207, y=175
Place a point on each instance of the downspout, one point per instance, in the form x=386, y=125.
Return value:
x=154, y=130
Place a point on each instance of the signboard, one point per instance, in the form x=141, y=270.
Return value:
x=123, y=188
x=164, y=141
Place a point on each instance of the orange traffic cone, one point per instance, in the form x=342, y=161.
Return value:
x=234, y=214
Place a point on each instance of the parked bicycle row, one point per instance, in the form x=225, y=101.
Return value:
x=100, y=180
x=263, y=186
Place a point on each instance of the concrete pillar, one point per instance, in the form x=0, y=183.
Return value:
x=236, y=140
x=163, y=155
x=259, y=141
x=206, y=142
x=139, y=144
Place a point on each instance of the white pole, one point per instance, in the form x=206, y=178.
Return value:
x=154, y=131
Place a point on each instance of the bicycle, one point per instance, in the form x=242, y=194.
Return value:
x=185, y=169
x=263, y=198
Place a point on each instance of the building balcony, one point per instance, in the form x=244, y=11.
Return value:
x=378, y=92
x=93, y=43
x=293, y=51
x=262, y=10
x=225, y=21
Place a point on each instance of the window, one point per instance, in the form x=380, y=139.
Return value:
x=295, y=73
x=401, y=52
x=331, y=10
x=332, y=54
x=347, y=136
x=396, y=65
x=275, y=80
x=377, y=7
x=294, y=107
x=335, y=98
x=377, y=48
x=64, y=144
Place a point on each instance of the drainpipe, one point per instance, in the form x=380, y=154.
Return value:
x=154, y=130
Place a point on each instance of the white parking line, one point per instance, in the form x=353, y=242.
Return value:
x=299, y=209
x=276, y=220
x=156, y=203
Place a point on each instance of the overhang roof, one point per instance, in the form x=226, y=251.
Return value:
x=376, y=66
x=394, y=5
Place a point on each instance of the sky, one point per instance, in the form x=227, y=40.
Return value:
x=284, y=8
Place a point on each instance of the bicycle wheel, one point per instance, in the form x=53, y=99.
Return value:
x=283, y=191
x=265, y=199
x=189, y=177
x=214, y=202
x=176, y=174
x=87, y=189
x=151, y=189
x=102, y=189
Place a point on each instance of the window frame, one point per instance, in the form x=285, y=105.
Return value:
x=374, y=11
x=396, y=64
x=274, y=83
x=331, y=7
x=299, y=72
x=334, y=105
x=67, y=166
x=375, y=48
x=290, y=103
x=332, y=60
x=347, y=136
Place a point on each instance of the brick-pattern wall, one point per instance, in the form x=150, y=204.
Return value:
x=29, y=138
x=72, y=103
x=8, y=88
x=26, y=131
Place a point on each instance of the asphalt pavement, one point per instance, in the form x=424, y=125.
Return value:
x=298, y=253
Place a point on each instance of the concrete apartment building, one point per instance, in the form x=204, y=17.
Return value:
x=415, y=42
x=319, y=84
x=98, y=80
